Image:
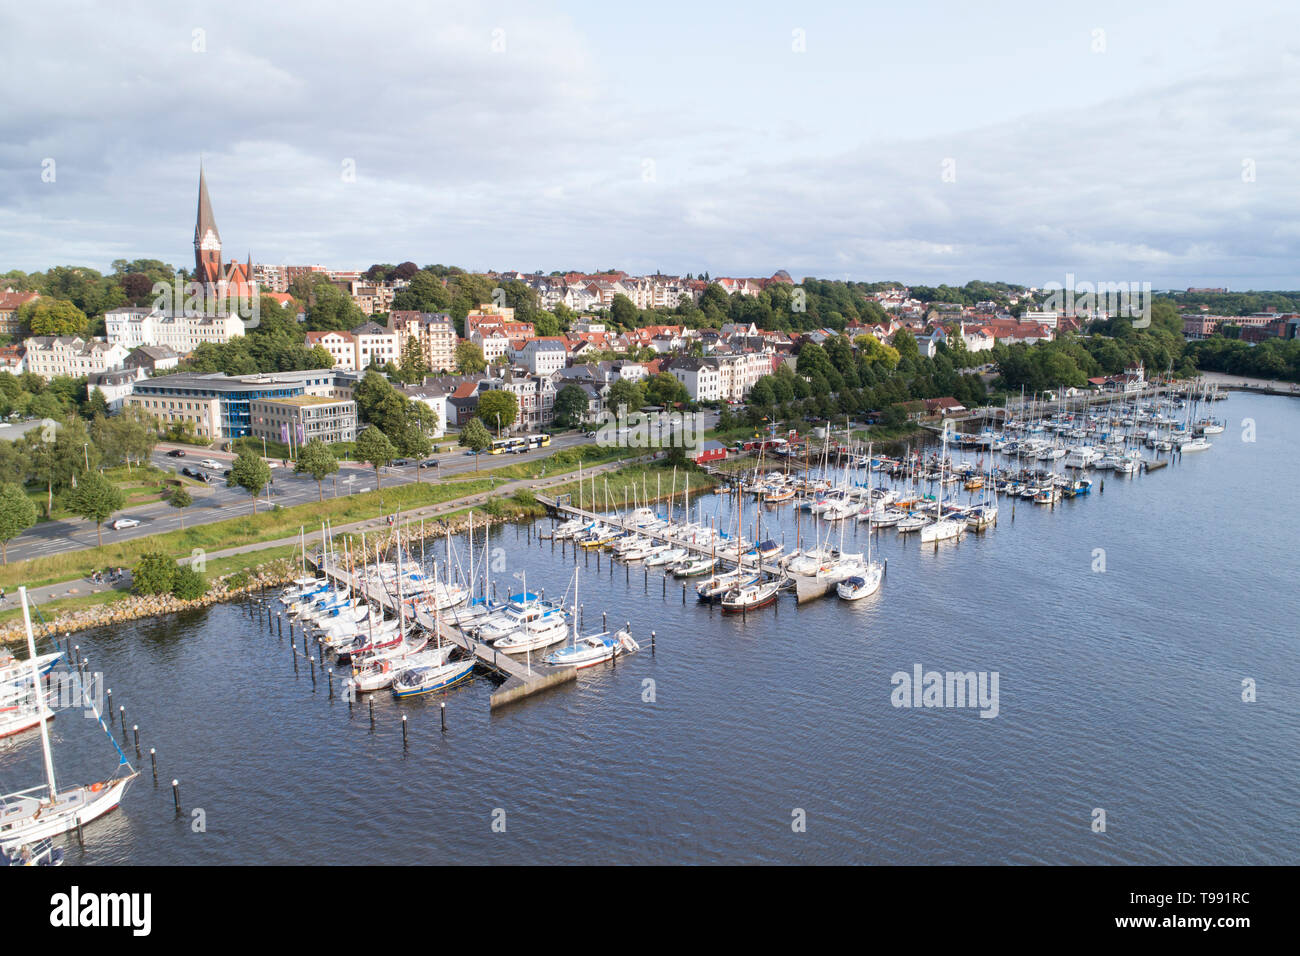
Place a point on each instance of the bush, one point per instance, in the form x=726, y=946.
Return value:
x=189, y=584
x=155, y=574
x=237, y=580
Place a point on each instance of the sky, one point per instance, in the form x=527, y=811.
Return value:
x=922, y=142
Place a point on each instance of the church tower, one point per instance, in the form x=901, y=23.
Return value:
x=207, y=241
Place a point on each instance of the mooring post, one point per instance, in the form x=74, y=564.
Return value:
x=176, y=794
x=135, y=729
x=652, y=643
x=372, y=713
x=153, y=760
x=443, y=709
x=404, y=731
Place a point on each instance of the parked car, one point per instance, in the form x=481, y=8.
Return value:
x=400, y=462
x=429, y=463
x=176, y=453
x=121, y=523
x=210, y=463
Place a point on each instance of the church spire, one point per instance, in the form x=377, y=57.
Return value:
x=207, y=240
x=206, y=221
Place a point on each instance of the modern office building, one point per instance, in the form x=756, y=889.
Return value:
x=219, y=406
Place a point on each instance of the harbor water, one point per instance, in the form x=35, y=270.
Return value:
x=1121, y=626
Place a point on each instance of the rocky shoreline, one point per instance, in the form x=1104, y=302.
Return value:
x=137, y=606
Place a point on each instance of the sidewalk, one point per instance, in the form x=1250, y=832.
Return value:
x=83, y=586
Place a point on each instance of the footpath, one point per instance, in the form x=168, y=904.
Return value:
x=83, y=586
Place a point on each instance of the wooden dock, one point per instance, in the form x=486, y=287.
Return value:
x=522, y=677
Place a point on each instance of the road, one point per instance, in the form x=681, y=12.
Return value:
x=217, y=502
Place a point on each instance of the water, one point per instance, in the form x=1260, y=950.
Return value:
x=1118, y=690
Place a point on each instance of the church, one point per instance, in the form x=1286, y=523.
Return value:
x=220, y=282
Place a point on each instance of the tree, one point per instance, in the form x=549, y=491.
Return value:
x=95, y=498
x=250, y=473
x=17, y=514
x=624, y=396
x=469, y=358
x=623, y=312
x=154, y=574
x=180, y=499
x=498, y=408
x=570, y=406
x=664, y=389
x=53, y=317
x=374, y=448
x=188, y=585
x=475, y=437
x=413, y=367
x=316, y=459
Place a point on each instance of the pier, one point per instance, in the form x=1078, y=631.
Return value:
x=522, y=678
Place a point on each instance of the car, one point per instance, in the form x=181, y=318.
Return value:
x=591, y=434
x=176, y=453
x=210, y=463
x=362, y=491
x=470, y=451
x=400, y=462
x=121, y=523
x=429, y=463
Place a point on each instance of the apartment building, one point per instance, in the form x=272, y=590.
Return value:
x=182, y=332
x=436, y=333
x=219, y=406
x=702, y=378
x=70, y=355
x=10, y=302
x=541, y=356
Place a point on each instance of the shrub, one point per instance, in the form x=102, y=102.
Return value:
x=237, y=580
x=189, y=584
x=155, y=574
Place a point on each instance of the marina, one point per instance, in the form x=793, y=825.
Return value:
x=749, y=715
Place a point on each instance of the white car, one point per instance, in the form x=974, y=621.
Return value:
x=121, y=523
x=210, y=463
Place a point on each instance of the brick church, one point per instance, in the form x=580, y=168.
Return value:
x=230, y=280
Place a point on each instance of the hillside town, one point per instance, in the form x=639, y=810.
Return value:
x=531, y=335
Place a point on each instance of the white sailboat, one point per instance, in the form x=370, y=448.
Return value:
x=40, y=812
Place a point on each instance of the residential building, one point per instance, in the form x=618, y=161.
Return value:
x=542, y=356
x=341, y=346
x=702, y=378
x=115, y=386
x=152, y=359
x=51, y=356
x=376, y=345
x=434, y=331
x=182, y=332
x=10, y=302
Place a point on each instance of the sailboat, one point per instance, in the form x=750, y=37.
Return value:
x=413, y=681
x=594, y=648
x=40, y=812
x=942, y=528
x=867, y=576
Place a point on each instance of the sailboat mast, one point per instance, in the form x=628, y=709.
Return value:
x=40, y=696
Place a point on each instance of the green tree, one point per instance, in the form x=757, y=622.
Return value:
x=154, y=573
x=374, y=448
x=624, y=395
x=475, y=437
x=623, y=312
x=251, y=473
x=570, y=406
x=498, y=408
x=188, y=585
x=180, y=499
x=413, y=368
x=316, y=459
x=53, y=317
x=17, y=514
x=665, y=389
x=95, y=498
x=469, y=358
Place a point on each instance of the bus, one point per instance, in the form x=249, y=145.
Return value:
x=520, y=444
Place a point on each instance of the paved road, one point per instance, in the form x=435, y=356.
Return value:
x=216, y=502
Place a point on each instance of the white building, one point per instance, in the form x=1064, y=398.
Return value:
x=72, y=356
x=702, y=378
x=182, y=332
x=342, y=347
x=542, y=356
x=493, y=344
x=376, y=345
x=739, y=371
